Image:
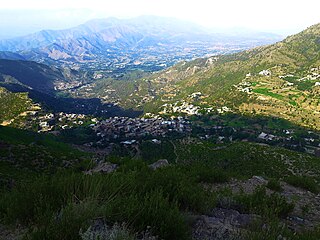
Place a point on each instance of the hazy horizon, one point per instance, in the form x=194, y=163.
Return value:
x=18, y=17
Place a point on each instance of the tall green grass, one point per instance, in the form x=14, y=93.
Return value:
x=58, y=207
x=305, y=182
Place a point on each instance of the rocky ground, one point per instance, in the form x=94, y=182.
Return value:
x=224, y=222
x=11, y=234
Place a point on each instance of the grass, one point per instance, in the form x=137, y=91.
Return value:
x=266, y=91
x=238, y=160
x=12, y=104
x=207, y=174
x=25, y=155
x=61, y=203
x=274, y=185
x=260, y=202
x=59, y=206
x=17, y=136
x=305, y=182
x=293, y=103
x=152, y=152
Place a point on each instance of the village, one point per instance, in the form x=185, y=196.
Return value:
x=124, y=128
x=59, y=121
x=128, y=131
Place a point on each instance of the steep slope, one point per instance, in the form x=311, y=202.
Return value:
x=14, y=105
x=44, y=85
x=11, y=56
x=35, y=76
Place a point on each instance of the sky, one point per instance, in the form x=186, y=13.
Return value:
x=20, y=17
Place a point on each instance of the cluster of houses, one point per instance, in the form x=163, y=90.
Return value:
x=130, y=128
x=314, y=74
x=244, y=87
x=180, y=107
x=52, y=121
x=265, y=73
x=66, y=85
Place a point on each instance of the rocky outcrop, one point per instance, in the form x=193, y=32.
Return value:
x=104, y=167
x=159, y=164
x=222, y=224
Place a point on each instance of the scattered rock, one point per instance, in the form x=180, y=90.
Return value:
x=159, y=164
x=7, y=233
x=222, y=224
x=260, y=179
x=101, y=229
x=237, y=186
x=306, y=212
x=104, y=167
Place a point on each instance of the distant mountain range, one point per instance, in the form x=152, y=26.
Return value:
x=116, y=43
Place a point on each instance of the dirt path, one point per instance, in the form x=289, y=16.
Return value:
x=175, y=151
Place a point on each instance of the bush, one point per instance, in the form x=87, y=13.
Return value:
x=274, y=185
x=180, y=186
x=207, y=174
x=259, y=202
x=57, y=207
x=305, y=182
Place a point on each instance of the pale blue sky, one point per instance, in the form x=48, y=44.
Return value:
x=18, y=17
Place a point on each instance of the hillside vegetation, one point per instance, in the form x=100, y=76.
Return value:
x=62, y=202
x=13, y=105
x=226, y=176
x=280, y=80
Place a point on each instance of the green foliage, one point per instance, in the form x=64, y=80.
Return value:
x=305, y=85
x=305, y=182
x=309, y=235
x=24, y=155
x=271, y=231
x=266, y=205
x=239, y=159
x=78, y=135
x=207, y=174
x=12, y=104
x=179, y=185
x=274, y=185
x=152, y=152
x=293, y=103
x=59, y=206
x=265, y=91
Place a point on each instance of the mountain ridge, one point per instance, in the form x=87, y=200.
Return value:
x=96, y=42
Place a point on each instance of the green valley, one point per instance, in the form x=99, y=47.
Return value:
x=128, y=135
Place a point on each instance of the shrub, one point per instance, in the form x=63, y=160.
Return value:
x=274, y=185
x=180, y=186
x=57, y=207
x=207, y=174
x=305, y=182
x=259, y=202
